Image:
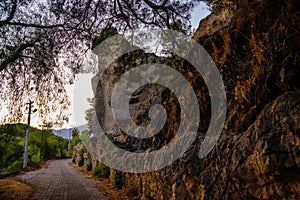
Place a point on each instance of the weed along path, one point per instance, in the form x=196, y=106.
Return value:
x=60, y=181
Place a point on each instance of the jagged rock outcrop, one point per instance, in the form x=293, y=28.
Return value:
x=257, y=53
x=81, y=156
x=260, y=163
x=255, y=45
x=141, y=101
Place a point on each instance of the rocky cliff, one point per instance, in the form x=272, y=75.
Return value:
x=255, y=45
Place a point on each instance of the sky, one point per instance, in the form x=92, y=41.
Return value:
x=200, y=12
x=82, y=89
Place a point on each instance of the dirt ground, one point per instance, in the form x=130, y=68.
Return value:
x=15, y=190
x=12, y=190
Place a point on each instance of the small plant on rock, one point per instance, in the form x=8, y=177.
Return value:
x=101, y=171
x=89, y=166
x=81, y=162
x=118, y=180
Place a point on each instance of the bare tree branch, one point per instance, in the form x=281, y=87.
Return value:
x=16, y=54
x=35, y=25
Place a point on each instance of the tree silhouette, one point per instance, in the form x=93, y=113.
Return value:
x=43, y=43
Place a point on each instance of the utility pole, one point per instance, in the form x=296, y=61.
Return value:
x=42, y=139
x=47, y=126
x=69, y=142
x=27, y=135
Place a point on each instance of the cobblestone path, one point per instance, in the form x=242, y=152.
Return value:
x=60, y=181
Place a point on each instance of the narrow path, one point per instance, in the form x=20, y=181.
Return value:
x=60, y=181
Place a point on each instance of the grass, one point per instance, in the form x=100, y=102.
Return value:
x=11, y=189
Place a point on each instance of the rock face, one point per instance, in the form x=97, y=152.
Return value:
x=262, y=162
x=258, y=154
x=83, y=157
x=257, y=53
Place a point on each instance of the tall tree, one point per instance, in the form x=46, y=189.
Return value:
x=42, y=43
x=89, y=113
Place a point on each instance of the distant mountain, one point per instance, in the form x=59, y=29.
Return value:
x=82, y=128
x=65, y=132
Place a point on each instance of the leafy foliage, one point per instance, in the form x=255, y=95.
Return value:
x=118, y=180
x=101, y=171
x=89, y=166
x=81, y=161
x=89, y=113
x=43, y=43
x=43, y=145
x=217, y=5
x=75, y=139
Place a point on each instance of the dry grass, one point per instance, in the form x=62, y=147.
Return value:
x=11, y=189
x=115, y=194
x=15, y=190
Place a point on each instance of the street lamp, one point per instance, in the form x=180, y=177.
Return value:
x=27, y=134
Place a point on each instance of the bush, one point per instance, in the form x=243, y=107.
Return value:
x=118, y=180
x=82, y=150
x=64, y=153
x=101, y=171
x=89, y=166
x=14, y=166
x=81, y=162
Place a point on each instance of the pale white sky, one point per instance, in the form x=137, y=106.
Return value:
x=199, y=13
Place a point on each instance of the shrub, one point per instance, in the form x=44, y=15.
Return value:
x=81, y=162
x=118, y=181
x=14, y=166
x=82, y=150
x=89, y=166
x=64, y=153
x=101, y=171
x=110, y=137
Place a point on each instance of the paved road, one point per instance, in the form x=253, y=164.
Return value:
x=60, y=181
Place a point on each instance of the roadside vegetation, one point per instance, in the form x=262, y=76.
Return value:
x=43, y=145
